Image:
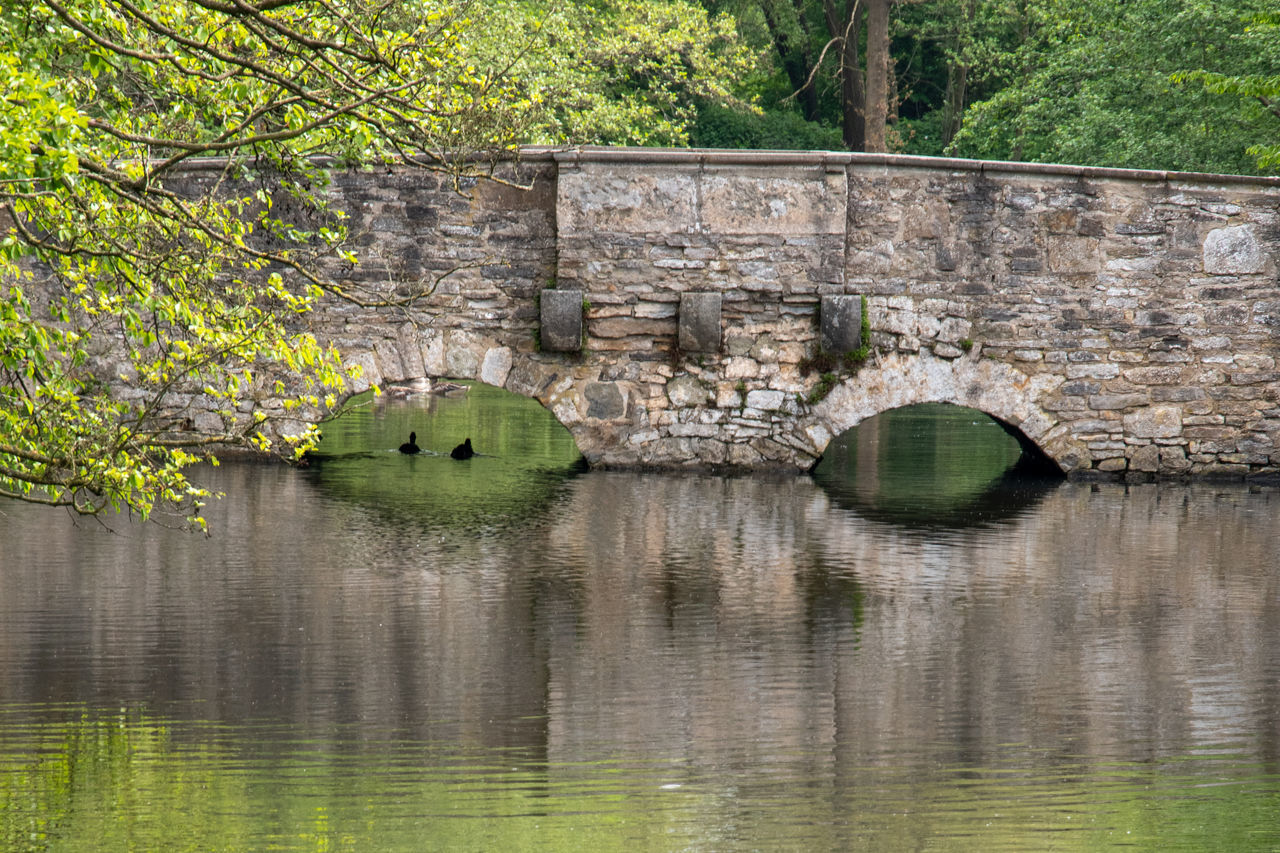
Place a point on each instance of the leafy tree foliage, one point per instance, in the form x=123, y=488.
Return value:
x=188, y=288
x=834, y=57
x=950, y=54
x=618, y=72
x=1096, y=82
x=1139, y=83
x=726, y=127
x=1259, y=87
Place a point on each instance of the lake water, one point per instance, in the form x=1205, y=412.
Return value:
x=908, y=650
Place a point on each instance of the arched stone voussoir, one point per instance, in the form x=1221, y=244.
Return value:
x=993, y=387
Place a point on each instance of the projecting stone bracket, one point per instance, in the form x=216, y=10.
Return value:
x=700, y=322
x=840, y=321
x=560, y=320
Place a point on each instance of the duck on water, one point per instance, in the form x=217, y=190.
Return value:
x=462, y=451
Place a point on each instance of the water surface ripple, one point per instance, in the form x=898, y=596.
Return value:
x=612, y=660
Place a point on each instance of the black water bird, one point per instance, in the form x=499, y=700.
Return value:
x=463, y=451
x=411, y=446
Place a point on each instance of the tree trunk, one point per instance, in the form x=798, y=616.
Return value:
x=953, y=108
x=852, y=85
x=957, y=94
x=877, y=92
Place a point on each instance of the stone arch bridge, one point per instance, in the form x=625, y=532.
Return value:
x=664, y=304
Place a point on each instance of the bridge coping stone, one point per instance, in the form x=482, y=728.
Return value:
x=839, y=161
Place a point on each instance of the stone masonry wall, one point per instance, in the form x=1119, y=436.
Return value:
x=768, y=236
x=1122, y=321
x=1143, y=309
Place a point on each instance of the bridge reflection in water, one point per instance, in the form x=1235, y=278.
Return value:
x=933, y=465
x=390, y=652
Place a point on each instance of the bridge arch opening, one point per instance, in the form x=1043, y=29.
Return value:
x=1003, y=393
x=523, y=454
x=935, y=465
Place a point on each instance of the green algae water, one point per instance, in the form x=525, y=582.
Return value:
x=931, y=465
x=384, y=652
x=522, y=456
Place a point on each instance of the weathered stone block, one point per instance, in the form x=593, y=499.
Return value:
x=625, y=199
x=628, y=327
x=1145, y=458
x=773, y=201
x=765, y=349
x=462, y=362
x=741, y=368
x=1154, y=422
x=1074, y=255
x=1081, y=388
x=1092, y=371
x=686, y=391
x=496, y=366
x=1115, y=402
x=765, y=400
x=1154, y=375
x=954, y=329
x=840, y=322
x=388, y=356
x=654, y=310
x=700, y=322
x=1255, y=362
x=687, y=430
x=1174, y=458
x=605, y=401
x=411, y=351
x=1233, y=251
x=560, y=322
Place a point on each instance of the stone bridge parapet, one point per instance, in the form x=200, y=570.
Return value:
x=1122, y=321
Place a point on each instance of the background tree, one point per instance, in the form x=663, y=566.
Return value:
x=1095, y=82
x=1258, y=89
x=1099, y=82
x=842, y=30
x=619, y=72
x=833, y=61
x=950, y=54
x=189, y=288
x=861, y=65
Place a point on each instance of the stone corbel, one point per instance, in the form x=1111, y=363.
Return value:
x=560, y=320
x=841, y=323
x=700, y=322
